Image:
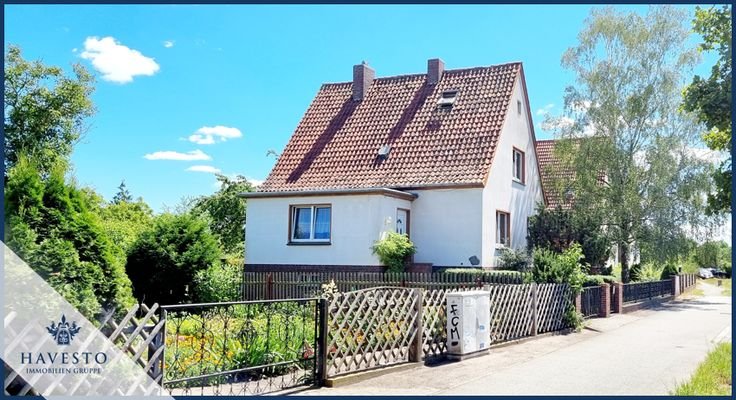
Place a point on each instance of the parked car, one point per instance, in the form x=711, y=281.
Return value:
x=718, y=273
x=704, y=273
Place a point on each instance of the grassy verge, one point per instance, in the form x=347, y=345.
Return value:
x=726, y=285
x=713, y=376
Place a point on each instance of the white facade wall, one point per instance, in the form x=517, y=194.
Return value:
x=446, y=226
x=501, y=192
x=357, y=222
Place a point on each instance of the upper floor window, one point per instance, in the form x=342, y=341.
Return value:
x=518, y=107
x=519, y=169
x=503, y=228
x=310, y=223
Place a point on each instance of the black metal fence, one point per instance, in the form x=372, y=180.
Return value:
x=590, y=301
x=297, y=284
x=240, y=348
x=687, y=281
x=646, y=290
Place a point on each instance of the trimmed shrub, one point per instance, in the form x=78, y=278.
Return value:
x=514, y=260
x=669, y=271
x=394, y=251
x=650, y=272
x=596, y=280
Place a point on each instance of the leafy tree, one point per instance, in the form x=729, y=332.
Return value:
x=637, y=172
x=225, y=213
x=710, y=98
x=51, y=225
x=713, y=254
x=44, y=109
x=125, y=221
x=219, y=283
x=123, y=195
x=164, y=260
x=558, y=229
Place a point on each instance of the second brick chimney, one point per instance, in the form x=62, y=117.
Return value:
x=362, y=79
x=435, y=68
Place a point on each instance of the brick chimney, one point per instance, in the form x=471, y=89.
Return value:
x=362, y=79
x=435, y=68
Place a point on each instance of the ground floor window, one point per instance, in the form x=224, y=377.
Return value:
x=503, y=228
x=310, y=223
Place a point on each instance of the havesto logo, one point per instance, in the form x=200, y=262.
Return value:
x=62, y=362
x=63, y=333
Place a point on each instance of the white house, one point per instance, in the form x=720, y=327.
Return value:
x=448, y=157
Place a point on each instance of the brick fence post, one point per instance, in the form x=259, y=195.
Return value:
x=618, y=298
x=579, y=303
x=605, y=310
x=675, y=285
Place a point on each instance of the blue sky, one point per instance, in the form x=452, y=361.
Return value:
x=174, y=78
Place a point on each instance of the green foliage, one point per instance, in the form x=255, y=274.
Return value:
x=650, y=272
x=164, y=260
x=557, y=229
x=124, y=222
x=225, y=212
x=710, y=98
x=123, y=195
x=713, y=254
x=394, y=251
x=514, y=260
x=713, y=377
x=669, y=271
x=52, y=226
x=635, y=272
x=218, y=283
x=552, y=267
x=44, y=110
x=637, y=171
x=596, y=280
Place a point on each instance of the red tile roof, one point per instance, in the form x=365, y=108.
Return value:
x=553, y=170
x=336, y=143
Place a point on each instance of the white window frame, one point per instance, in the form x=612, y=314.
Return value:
x=507, y=240
x=312, y=222
x=522, y=158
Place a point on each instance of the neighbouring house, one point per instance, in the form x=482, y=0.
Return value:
x=553, y=171
x=447, y=157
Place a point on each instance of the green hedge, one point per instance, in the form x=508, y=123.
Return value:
x=595, y=280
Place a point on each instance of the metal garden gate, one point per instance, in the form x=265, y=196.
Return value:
x=244, y=347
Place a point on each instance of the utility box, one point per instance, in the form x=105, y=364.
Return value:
x=468, y=323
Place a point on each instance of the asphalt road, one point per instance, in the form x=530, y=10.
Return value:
x=647, y=352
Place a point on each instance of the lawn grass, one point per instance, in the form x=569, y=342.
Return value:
x=713, y=376
x=726, y=285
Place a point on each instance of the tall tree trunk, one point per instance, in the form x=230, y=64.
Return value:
x=624, y=253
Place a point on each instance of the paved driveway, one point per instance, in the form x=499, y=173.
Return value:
x=645, y=352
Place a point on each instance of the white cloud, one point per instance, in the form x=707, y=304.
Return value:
x=204, y=168
x=168, y=44
x=546, y=109
x=254, y=181
x=208, y=134
x=194, y=155
x=557, y=123
x=116, y=62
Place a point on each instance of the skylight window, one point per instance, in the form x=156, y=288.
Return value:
x=448, y=99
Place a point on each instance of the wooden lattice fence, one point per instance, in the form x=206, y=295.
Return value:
x=517, y=311
x=373, y=328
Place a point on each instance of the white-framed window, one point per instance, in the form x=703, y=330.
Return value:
x=310, y=223
x=519, y=168
x=503, y=228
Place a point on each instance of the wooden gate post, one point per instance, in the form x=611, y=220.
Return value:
x=535, y=302
x=417, y=346
x=321, y=356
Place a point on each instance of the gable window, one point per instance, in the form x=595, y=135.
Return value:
x=519, y=169
x=503, y=228
x=310, y=223
x=518, y=107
